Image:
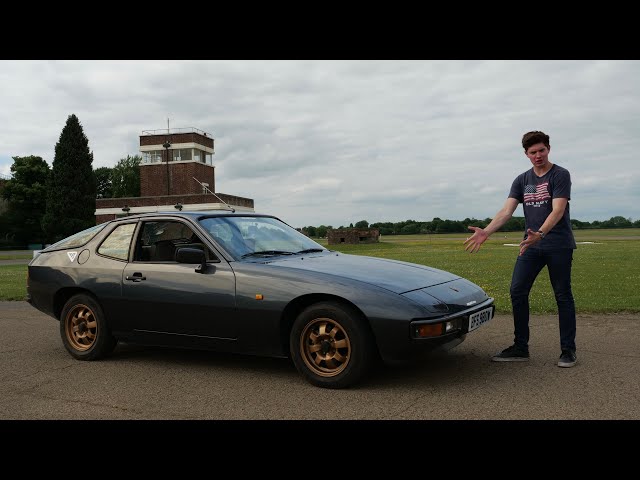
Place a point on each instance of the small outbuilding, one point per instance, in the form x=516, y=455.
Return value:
x=353, y=235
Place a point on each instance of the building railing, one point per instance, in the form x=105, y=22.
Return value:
x=149, y=161
x=166, y=131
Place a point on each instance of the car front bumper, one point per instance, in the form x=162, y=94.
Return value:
x=443, y=333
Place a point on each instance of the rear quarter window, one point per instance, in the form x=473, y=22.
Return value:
x=117, y=243
x=78, y=239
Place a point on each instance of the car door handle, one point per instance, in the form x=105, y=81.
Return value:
x=136, y=277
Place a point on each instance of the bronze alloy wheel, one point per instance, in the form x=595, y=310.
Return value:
x=325, y=347
x=81, y=327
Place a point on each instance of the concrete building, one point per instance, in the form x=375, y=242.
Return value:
x=176, y=172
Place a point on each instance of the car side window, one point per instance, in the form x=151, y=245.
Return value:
x=158, y=242
x=116, y=244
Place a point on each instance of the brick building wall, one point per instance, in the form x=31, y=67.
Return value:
x=153, y=178
x=193, y=137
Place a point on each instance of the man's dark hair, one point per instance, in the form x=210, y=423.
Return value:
x=531, y=138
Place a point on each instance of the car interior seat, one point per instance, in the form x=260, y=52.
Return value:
x=164, y=251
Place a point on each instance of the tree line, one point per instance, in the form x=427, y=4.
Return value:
x=44, y=204
x=438, y=225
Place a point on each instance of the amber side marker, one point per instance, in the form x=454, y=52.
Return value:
x=433, y=330
x=259, y=296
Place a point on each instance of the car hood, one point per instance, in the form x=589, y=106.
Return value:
x=394, y=275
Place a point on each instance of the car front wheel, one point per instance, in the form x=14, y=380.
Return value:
x=83, y=329
x=331, y=345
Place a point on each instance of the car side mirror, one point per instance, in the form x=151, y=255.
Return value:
x=192, y=255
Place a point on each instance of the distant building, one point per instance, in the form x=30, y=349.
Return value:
x=353, y=235
x=176, y=172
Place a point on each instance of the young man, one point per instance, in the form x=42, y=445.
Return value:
x=545, y=191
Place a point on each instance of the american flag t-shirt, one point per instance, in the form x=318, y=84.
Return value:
x=536, y=193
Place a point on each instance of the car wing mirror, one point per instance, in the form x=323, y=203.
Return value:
x=192, y=255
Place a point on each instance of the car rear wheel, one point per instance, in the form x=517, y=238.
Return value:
x=83, y=329
x=331, y=345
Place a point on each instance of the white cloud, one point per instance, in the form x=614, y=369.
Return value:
x=335, y=142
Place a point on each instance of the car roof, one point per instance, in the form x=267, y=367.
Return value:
x=193, y=215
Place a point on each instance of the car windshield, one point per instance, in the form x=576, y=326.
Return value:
x=257, y=237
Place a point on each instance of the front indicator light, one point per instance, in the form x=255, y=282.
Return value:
x=431, y=330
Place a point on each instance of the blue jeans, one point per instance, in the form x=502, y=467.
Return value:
x=526, y=269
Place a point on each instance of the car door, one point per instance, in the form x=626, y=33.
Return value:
x=105, y=280
x=181, y=305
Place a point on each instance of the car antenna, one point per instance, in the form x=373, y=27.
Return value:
x=233, y=210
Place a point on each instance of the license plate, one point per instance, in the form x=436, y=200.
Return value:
x=479, y=318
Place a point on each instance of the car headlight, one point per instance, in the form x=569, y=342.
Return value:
x=435, y=329
x=429, y=302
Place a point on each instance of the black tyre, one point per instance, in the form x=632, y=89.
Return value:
x=331, y=345
x=83, y=329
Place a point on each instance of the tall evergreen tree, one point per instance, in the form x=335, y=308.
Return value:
x=71, y=193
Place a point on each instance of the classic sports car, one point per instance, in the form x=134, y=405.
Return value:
x=247, y=283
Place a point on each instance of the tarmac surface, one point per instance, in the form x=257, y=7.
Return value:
x=18, y=261
x=39, y=380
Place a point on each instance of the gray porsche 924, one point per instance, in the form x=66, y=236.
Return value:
x=247, y=283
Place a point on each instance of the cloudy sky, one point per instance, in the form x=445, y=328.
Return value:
x=335, y=142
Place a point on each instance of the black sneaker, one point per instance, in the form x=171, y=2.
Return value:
x=567, y=359
x=511, y=354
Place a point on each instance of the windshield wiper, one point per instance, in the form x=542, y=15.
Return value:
x=311, y=250
x=267, y=252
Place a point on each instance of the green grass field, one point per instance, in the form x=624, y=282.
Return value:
x=605, y=279
x=13, y=282
x=606, y=273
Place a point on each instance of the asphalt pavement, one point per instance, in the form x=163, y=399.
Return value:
x=5, y=253
x=39, y=380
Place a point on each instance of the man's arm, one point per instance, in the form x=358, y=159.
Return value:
x=558, y=206
x=475, y=241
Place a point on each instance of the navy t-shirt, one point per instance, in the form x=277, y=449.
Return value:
x=536, y=194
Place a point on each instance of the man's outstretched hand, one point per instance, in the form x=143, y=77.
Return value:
x=475, y=241
x=532, y=237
